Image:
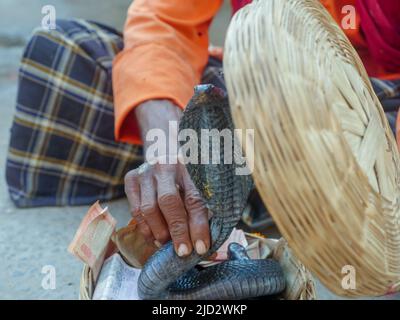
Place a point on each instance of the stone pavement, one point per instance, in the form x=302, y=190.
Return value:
x=32, y=239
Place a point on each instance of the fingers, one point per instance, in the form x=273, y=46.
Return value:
x=173, y=209
x=132, y=191
x=160, y=211
x=150, y=210
x=143, y=228
x=198, y=216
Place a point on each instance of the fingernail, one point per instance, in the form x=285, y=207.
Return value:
x=157, y=244
x=183, y=250
x=200, y=247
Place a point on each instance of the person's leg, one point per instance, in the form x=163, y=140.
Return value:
x=62, y=149
x=388, y=92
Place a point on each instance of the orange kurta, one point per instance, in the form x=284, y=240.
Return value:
x=166, y=50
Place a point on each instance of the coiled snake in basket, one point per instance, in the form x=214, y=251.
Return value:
x=167, y=276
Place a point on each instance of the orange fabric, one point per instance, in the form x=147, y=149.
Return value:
x=165, y=52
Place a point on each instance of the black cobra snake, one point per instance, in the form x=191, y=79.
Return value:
x=167, y=276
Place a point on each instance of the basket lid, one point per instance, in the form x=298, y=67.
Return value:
x=325, y=160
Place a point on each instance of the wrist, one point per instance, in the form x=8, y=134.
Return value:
x=162, y=116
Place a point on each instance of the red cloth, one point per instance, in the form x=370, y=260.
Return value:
x=380, y=22
x=237, y=4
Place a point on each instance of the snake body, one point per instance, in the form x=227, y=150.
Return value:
x=167, y=276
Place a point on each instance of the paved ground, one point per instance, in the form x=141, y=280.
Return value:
x=33, y=239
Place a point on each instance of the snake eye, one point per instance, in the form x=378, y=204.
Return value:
x=209, y=90
x=203, y=88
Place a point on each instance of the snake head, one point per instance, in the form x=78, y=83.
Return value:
x=204, y=93
x=237, y=252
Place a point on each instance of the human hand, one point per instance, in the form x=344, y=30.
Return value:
x=163, y=199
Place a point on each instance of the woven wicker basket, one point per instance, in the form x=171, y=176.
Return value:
x=326, y=161
x=299, y=281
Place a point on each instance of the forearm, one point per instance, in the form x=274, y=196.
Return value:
x=161, y=115
x=166, y=50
